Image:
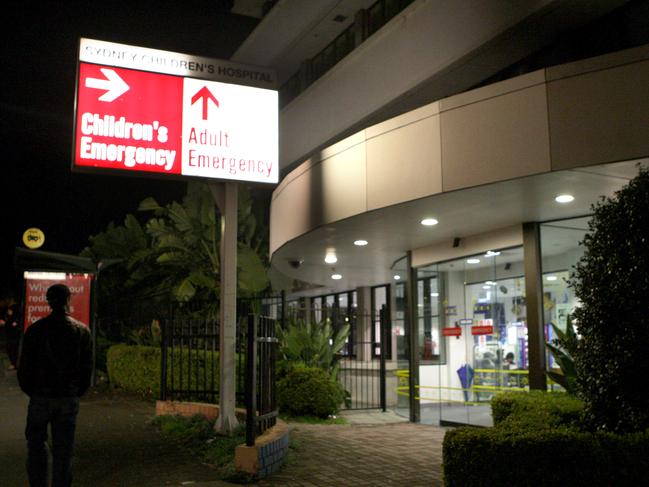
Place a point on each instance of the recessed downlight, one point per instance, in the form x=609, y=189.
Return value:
x=429, y=222
x=491, y=253
x=473, y=260
x=551, y=278
x=397, y=277
x=564, y=198
x=336, y=277
x=360, y=243
x=330, y=258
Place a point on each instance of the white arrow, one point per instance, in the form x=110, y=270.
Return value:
x=113, y=84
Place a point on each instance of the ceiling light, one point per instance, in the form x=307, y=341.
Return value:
x=397, y=277
x=435, y=295
x=331, y=258
x=429, y=222
x=336, y=277
x=486, y=287
x=551, y=278
x=473, y=261
x=491, y=253
x=490, y=283
x=564, y=198
x=360, y=243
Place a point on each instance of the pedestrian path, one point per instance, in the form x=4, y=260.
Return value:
x=117, y=448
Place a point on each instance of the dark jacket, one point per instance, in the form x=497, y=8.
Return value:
x=56, y=357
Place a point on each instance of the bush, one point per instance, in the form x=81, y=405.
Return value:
x=536, y=409
x=536, y=441
x=308, y=391
x=499, y=456
x=102, y=344
x=612, y=283
x=136, y=368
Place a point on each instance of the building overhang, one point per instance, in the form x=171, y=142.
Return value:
x=480, y=161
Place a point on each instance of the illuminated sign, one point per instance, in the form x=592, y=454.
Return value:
x=149, y=111
x=37, y=284
x=452, y=331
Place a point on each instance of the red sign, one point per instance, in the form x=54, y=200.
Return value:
x=135, y=113
x=482, y=330
x=453, y=331
x=136, y=129
x=36, y=286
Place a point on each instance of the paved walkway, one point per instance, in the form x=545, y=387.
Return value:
x=116, y=448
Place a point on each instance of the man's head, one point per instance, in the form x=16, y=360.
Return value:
x=58, y=296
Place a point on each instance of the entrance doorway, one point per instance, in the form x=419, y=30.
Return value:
x=472, y=335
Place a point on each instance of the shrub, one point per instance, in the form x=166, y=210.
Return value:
x=536, y=409
x=136, y=368
x=308, y=391
x=612, y=283
x=312, y=344
x=500, y=456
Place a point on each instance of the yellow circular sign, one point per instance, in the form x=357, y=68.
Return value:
x=33, y=238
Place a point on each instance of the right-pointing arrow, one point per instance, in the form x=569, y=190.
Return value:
x=114, y=85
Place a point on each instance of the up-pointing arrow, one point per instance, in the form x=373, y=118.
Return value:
x=205, y=95
x=114, y=85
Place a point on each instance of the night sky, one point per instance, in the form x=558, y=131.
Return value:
x=39, y=58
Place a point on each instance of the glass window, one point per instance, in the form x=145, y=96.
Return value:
x=560, y=250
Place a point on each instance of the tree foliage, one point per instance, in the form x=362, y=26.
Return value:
x=612, y=282
x=174, y=255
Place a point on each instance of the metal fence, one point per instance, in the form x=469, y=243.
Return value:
x=189, y=368
x=261, y=358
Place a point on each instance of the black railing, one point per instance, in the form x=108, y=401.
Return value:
x=366, y=23
x=261, y=357
x=189, y=368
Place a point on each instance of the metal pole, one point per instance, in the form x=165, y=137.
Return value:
x=226, y=196
x=163, y=361
x=413, y=337
x=251, y=381
x=384, y=345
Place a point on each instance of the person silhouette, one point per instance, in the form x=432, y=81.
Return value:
x=54, y=370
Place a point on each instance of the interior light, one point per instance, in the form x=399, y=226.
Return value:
x=486, y=287
x=490, y=283
x=360, y=243
x=397, y=277
x=331, y=258
x=564, y=198
x=551, y=278
x=434, y=295
x=473, y=261
x=336, y=277
x=491, y=253
x=429, y=222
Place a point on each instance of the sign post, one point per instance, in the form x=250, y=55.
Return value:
x=167, y=114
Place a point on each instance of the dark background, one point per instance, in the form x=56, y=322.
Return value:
x=39, y=60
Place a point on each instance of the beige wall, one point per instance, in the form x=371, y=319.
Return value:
x=590, y=112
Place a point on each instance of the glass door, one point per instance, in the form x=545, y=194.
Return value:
x=476, y=320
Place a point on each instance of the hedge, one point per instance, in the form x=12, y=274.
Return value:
x=535, y=409
x=136, y=368
x=536, y=441
x=498, y=456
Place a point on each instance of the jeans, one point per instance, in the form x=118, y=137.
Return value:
x=61, y=414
